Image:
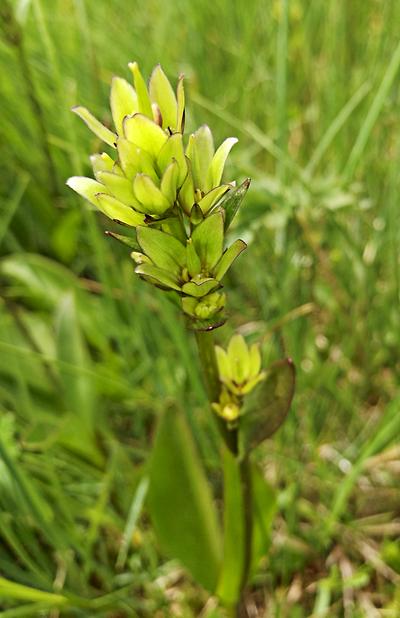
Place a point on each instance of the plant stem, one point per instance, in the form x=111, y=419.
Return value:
x=205, y=343
x=208, y=361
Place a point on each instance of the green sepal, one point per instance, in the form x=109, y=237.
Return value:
x=125, y=240
x=208, y=240
x=228, y=257
x=161, y=92
x=158, y=276
x=123, y=101
x=95, y=125
x=200, y=289
x=232, y=202
x=196, y=215
x=141, y=90
x=267, y=406
x=164, y=250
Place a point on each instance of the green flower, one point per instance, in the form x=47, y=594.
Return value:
x=239, y=366
x=153, y=174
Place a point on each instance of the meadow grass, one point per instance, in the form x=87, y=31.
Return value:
x=89, y=354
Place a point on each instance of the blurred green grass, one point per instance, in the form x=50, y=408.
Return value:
x=311, y=88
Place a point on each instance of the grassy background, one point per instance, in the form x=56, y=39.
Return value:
x=89, y=354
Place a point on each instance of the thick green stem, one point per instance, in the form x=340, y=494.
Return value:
x=247, y=501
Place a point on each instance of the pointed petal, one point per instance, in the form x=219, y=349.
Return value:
x=101, y=162
x=228, y=258
x=144, y=133
x=134, y=160
x=200, y=151
x=118, y=185
x=186, y=193
x=86, y=187
x=161, y=92
x=255, y=360
x=116, y=210
x=95, y=125
x=123, y=101
x=239, y=359
x=218, y=162
x=192, y=259
x=150, y=195
x=141, y=90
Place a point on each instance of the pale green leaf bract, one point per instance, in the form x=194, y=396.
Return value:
x=163, y=249
x=161, y=92
x=95, y=125
x=228, y=257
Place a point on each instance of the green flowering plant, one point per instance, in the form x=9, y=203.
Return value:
x=169, y=189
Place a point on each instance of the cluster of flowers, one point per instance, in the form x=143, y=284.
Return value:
x=169, y=189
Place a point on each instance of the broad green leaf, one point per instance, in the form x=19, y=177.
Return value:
x=218, y=162
x=144, y=133
x=86, y=187
x=212, y=198
x=141, y=90
x=116, y=210
x=149, y=195
x=228, y=257
x=161, y=92
x=267, y=406
x=164, y=250
x=208, y=240
x=95, y=125
x=158, y=276
x=173, y=149
x=169, y=182
x=232, y=202
x=200, y=151
x=119, y=186
x=123, y=101
x=180, y=501
x=201, y=288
